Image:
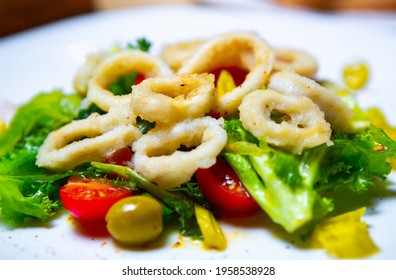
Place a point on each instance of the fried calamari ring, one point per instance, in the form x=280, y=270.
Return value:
x=90, y=139
x=158, y=159
x=122, y=63
x=175, y=55
x=172, y=99
x=336, y=111
x=244, y=50
x=84, y=72
x=298, y=61
x=292, y=122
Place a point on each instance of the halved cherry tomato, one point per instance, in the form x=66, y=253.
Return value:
x=140, y=78
x=90, y=199
x=237, y=74
x=120, y=157
x=222, y=187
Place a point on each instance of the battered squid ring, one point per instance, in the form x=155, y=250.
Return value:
x=336, y=111
x=292, y=122
x=244, y=50
x=90, y=139
x=118, y=64
x=298, y=61
x=158, y=159
x=175, y=55
x=84, y=72
x=172, y=99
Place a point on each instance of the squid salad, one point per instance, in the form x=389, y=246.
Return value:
x=207, y=130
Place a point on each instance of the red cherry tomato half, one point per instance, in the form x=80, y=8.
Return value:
x=90, y=199
x=215, y=114
x=222, y=187
x=120, y=157
x=140, y=78
x=238, y=74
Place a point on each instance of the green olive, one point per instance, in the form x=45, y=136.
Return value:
x=135, y=220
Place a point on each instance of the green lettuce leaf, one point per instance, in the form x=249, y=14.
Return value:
x=295, y=190
x=25, y=189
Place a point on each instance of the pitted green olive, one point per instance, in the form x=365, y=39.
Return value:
x=135, y=220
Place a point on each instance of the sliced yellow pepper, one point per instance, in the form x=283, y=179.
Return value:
x=213, y=236
x=344, y=236
x=225, y=83
x=3, y=127
x=356, y=75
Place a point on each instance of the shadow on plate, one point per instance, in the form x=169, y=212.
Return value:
x=344, y=201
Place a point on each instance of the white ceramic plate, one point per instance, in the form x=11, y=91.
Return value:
x=47, y=58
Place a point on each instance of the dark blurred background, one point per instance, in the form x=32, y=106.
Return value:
x=18, y=15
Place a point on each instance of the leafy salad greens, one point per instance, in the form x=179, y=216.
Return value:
x=296, y=189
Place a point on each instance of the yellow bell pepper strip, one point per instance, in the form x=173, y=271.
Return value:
x=344, y=236
x=225, y=83
x=3, y=127
x=213, y=236
x=356, y=75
